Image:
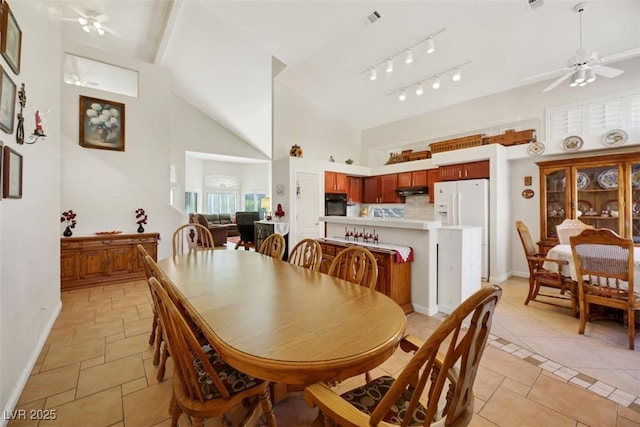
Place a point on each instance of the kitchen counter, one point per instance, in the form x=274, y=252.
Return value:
x=412, y=224
x=421, y=236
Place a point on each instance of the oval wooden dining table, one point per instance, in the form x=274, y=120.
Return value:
x=284, y=323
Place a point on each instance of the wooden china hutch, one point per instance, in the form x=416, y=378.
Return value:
x=603, y=191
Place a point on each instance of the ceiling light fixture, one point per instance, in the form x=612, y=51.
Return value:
x=91, y=23
x=429, y=42
x=373, y=74
x=408, y=57
x=591, y=76
x=435, y=81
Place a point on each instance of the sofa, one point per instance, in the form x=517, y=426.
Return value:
x=225, y=220
x=218, y=232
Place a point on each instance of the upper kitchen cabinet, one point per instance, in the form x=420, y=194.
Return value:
x=602, y=191
x=335, y=182
x=381, y=189
x=354, y=189
x=412, y=179
x=472, y=170
x=433, y=176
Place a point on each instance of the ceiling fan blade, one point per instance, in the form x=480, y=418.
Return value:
x=625, y=54
x=102, y=18
x=553, y=85
x=608, y=72
x=79, y=12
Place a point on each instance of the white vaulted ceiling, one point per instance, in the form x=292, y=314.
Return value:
x=220, y=52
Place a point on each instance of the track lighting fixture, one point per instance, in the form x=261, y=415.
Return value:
x=435, y=81
x=457, y=75
x=407, y=52
x=408, y=56
x=373, y=74
x=431, y=45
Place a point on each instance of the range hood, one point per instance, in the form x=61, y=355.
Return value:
x=412, y=191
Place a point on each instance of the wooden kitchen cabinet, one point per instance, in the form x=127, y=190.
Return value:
x=381, y=189
x=412, y=179
x=101, y=260
x=354, y=189
x=472, y=170
x=335, y=182
x=433, y=176
x=394, y=278
x=590, y=189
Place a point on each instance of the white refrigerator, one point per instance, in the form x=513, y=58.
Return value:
x=465, y=203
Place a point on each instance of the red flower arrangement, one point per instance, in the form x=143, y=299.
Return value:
x=141, y=216
x=279, y=212
x=70, y=217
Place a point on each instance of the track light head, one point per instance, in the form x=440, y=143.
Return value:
x=389, y=65
x=457, y=75
x=373, y=73
x=436, y=83
x=431, y=45
x=408, y=56
x=403, y=95
x=420, y=89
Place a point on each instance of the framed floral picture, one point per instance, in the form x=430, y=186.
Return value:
x=7, y=101
x=101, y=124
x=11, y=174
x=11, y=39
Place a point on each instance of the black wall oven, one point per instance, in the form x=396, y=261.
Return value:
x=335, y=204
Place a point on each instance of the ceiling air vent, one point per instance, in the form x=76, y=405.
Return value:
x=375, y=16
x=533, y=4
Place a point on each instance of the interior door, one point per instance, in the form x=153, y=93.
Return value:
x=308, y=207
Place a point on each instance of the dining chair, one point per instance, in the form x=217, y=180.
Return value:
x=204, y=386
x=355, y=264
x=540, y=276
x=273, y=246
x=191, y=237
x=246, y=229
x=604, y=265
x=570, y=227
x=444, y=367
x=155, y=333
x=307, y=253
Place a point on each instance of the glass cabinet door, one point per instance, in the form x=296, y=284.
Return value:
x=598, y=196
x=635, y=202
x=557, y=203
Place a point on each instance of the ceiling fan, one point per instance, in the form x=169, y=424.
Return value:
x=586, y=65
x=91, y=21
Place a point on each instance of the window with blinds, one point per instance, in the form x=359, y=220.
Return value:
x=595, y=116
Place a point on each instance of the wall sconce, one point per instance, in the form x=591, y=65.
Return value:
x=38, y=132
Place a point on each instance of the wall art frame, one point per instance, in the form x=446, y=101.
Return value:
x=102, y=124
x=11, y=41
x=7, y=101
x=12, y=174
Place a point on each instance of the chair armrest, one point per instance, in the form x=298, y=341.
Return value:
x=542, y=259
x=336, y=407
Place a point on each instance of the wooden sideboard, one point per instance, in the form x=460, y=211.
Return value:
x=100, y=260
x=394, y=278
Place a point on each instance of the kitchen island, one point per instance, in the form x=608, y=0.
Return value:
x=421, y=236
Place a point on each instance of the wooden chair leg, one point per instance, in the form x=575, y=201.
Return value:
x=175, y=411
x=583, y=316
x=154, y=326
x=631, y=328
x=163, y=363
x=156, y=353
x=532, y=289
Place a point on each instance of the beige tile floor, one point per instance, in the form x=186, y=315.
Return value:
x=96, y=370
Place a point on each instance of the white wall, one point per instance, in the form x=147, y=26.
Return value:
x=29, y=227
x=105, y=187
x=297, y=120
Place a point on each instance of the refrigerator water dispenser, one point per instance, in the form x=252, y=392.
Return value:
x=442, y=213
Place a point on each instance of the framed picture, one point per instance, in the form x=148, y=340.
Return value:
x=11, y=39
x=101, y=124
x=11, y=174
x=7, y=101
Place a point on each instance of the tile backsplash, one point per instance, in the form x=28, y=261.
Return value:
x=418, y=207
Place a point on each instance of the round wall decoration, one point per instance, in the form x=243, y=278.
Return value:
x=572, y=143
x=528, y=193
x=280, y=189
x=535, y=148
x=614, y=138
